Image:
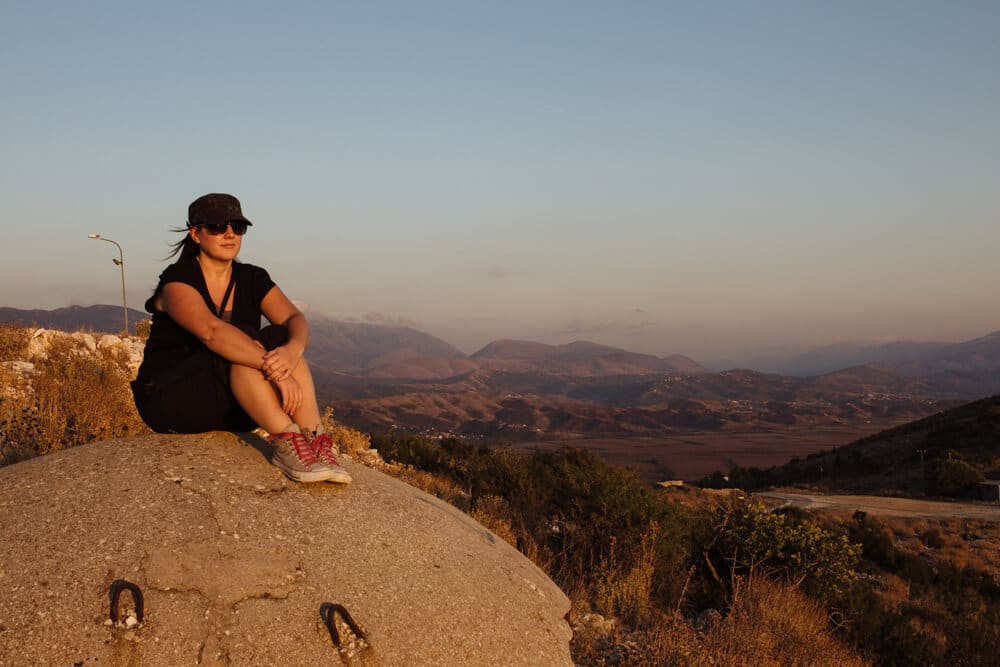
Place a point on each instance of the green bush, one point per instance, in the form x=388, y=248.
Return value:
x=750, y=539
x=951, y=477
x=875, y=540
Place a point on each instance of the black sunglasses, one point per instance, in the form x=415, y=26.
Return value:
x=216, y=228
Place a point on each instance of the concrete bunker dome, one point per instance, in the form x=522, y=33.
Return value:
x=234, y=562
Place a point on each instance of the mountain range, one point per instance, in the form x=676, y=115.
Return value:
x=74, y=318
x=829, y=358
x=578, y=359
x=385, y=376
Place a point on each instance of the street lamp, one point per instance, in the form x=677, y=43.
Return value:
x=120, y=262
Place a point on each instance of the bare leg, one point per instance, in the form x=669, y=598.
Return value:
x=259, y=399
x=307, y=416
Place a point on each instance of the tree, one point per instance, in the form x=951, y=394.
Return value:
x=950, y=477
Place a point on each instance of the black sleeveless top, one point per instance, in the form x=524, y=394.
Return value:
x=169, y=342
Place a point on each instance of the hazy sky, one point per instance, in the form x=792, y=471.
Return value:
x=705, y=178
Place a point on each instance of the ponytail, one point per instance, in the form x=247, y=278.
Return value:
x=186, y=247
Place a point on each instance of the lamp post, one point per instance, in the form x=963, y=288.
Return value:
x=120, y=262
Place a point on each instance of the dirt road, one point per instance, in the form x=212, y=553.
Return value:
x=882, y=506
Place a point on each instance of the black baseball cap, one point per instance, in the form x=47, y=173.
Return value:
x=215, y=208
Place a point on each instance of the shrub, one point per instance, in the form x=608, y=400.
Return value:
x=494, y=512
x=572, y=514
x=74, y=398
x=349, y=440
x=142, y=329
x=771, y=623
x=13, y=341
x=950, y=477
x=751, y=540
x=875, y=540
x=714, y=481
x=624, y=586
x=933, y=537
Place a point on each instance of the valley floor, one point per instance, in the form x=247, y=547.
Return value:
x=693, y=454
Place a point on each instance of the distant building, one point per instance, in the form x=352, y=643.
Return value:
x=666, y=484
x=988, y=490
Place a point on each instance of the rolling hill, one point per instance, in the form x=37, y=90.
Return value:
x=896, y=459
x=579, y=359
x=905, y=357
x=382, y=350
x=73, y=318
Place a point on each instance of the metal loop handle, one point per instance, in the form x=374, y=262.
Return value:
x=328, y=610
x=115, y=592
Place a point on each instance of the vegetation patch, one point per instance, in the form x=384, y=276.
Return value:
x=13, y=341
x=73, y=398
x=943, y=455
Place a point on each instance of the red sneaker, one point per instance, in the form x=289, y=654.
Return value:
x=294, y=456
x=326, y=452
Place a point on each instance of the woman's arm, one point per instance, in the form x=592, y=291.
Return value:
x=186, y=307
x=278, y=309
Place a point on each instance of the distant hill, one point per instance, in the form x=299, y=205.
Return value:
x=531, y=405
x=348, y=353
x=382, y=350
x=975, y=356
x=580, y=358
x=104, y=318
x=895, y=459
x=830, y=358
x=959, y=370
x=906, y=357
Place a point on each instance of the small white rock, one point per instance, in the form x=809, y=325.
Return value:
x=108, y=340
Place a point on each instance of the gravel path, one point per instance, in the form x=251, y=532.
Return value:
x=884, y=506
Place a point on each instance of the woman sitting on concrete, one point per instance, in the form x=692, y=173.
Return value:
x=209, y=365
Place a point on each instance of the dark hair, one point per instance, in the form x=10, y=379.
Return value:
x=186, y=246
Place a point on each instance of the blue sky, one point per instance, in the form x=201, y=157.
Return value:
x=715, y=179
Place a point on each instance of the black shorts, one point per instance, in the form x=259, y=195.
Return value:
x=194, y=395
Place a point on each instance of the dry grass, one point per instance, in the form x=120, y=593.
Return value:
x=142, y=328
x=625, y=585
x=436, y=485
x=494, y=512
x=13, y=341
x=959, y=542
x=893, y=589
x=73, y=398
x=767, y=624
x=772, y=623
x=348, y=440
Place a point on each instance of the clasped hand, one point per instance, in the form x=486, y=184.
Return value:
x=291, y=394
x=279, y=363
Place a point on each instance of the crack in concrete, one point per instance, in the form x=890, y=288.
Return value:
x=218, y=627
x=214, y=571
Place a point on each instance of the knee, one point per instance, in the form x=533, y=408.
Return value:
x=244, y=374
